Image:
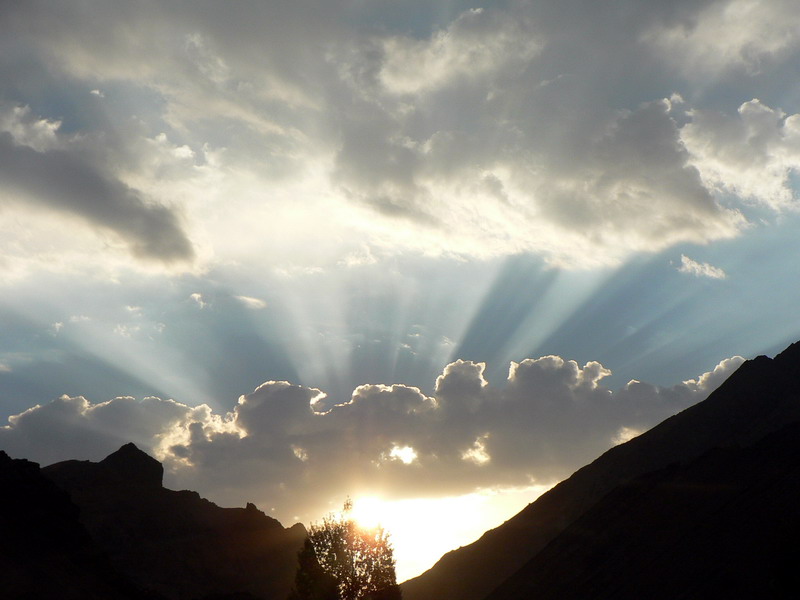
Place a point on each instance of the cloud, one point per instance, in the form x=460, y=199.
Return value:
x=80, y=429
x=711, y=380
x=692, y=267
x=512, y=127
x=743, y=35
x=197, y=297
x=501, y=163
x=252, y=303
x=39, y=168
x=751, y=154
x=625, y=434
x=282, y=446
x=477, y=43
x=126, y=331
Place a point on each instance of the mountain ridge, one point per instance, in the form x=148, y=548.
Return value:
x=176, y=543
x=724, y=525
x=45, y=552
x=760, y=397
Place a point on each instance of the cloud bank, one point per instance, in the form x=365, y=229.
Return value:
x=282, y=448
x=304, y=132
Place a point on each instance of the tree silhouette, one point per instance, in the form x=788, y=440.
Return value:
x=311, y=582
x=343, y=561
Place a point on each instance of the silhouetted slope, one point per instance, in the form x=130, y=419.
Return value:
x=178, y=543
x=762, y=396
x=44, y=550
x=724, y=526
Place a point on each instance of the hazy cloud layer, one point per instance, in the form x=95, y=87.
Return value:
x=280, y=448
x=580, y=131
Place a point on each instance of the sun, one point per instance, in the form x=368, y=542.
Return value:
x=371, y=512
x=456, y=521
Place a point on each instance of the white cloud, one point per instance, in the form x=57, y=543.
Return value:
x=692, y=267
x=503, y=129
x=711, y=380
x=28, y=130
x=280, y=448
x=126, y=331
x=197, y=297
x=252, y=303
x=729, y=34
x=477, y=43
x=477, y=452
x=751, y=154
x=405, y=454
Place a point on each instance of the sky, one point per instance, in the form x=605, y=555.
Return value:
x=432, y=255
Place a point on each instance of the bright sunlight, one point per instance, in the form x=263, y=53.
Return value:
x=423, y=529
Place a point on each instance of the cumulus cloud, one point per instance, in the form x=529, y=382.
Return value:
x=751, y=154
x=698, y=269
x=79, y=429
x=282, y=446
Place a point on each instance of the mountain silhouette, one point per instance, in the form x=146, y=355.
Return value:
x=704, y=505
x=176, y=543
x=45, y=552
x=725, y=525
x=762, y=397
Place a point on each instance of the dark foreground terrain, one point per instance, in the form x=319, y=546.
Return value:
x=704, y=505
x=642, y=520
x=79, y=529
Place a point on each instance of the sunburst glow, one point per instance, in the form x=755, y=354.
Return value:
x=423, y=529
x=408, y=251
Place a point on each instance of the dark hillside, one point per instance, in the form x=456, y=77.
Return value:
x=45, y=552
x=723, y=526
x=177, y=543
x=761, y=397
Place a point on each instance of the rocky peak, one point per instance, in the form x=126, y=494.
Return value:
x=135, y=466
